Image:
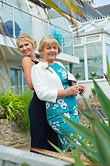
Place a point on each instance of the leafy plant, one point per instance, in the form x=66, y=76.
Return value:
x=93, y=99
x=93, y=74
x=25, y=164
x=12, y=105
x=26, y=97
x=96, y=142
x=107, y=76
x=77, y=75
x=16, y=107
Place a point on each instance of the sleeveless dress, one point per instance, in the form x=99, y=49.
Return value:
x=66, y=106
x=40, y=130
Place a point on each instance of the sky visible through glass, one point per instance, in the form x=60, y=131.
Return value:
x=101, y=2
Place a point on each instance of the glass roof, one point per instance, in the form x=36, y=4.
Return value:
x=94, y=25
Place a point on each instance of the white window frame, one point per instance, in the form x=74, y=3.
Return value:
x=81, y=44
x=90, y=42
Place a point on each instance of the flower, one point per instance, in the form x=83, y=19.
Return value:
x=45, y=66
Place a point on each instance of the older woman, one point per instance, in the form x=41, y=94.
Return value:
x=40, y=131
x=50, y=81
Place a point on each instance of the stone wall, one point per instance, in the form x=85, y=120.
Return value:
x=11, y=135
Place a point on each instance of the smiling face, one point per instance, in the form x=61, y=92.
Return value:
x=49, y=53
x=26, y=48
x=49, y=48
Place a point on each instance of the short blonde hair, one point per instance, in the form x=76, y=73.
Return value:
x=47, y=41
x=28, y=38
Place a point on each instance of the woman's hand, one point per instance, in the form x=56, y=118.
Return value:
x=73, y=90
x=81, y=87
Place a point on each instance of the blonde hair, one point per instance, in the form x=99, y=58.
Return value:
x=47, y=41
x=28, y=38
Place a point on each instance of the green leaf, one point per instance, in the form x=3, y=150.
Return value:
x=103, y=147
x=103, y=99
x=84, y=148
x=54, y=6
x=85, y=132
x=78, y=161
x=57, y=148
x=70, y=5
x=108, y=70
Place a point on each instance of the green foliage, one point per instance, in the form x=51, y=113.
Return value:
x=77, y=75
x=25, y=164
x=93, y=98
x=93, y=74
x=93, y=91
x=107, y=76
x=71, y=7
x=12, y=105
x=96, y=142
x=27, y=96
x=16, y=107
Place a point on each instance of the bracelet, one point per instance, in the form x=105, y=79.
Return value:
x=64, y=93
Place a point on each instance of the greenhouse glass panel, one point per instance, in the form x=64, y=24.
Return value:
x=6, y=15
x=22, y=27
x=94, y=60
x=67, y=46
x=93, y=38
x=107, y=39
x=79, y=52
x=78, y=69
x=78, y=41
x=16, y=80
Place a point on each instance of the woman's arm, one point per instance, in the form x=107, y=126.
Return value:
x=27, y=65
x=46, y=90
x=49, y=90
x=73, y=90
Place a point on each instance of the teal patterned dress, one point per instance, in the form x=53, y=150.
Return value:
x=66, y=106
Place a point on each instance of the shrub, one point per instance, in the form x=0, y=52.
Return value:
x=12, y=105
x=16, y=107
x=26, y=96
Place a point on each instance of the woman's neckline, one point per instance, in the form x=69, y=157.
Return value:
x=52, y=64
x=48, y=62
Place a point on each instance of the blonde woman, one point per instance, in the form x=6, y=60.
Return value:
x=50, y=81
x=40, y=131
